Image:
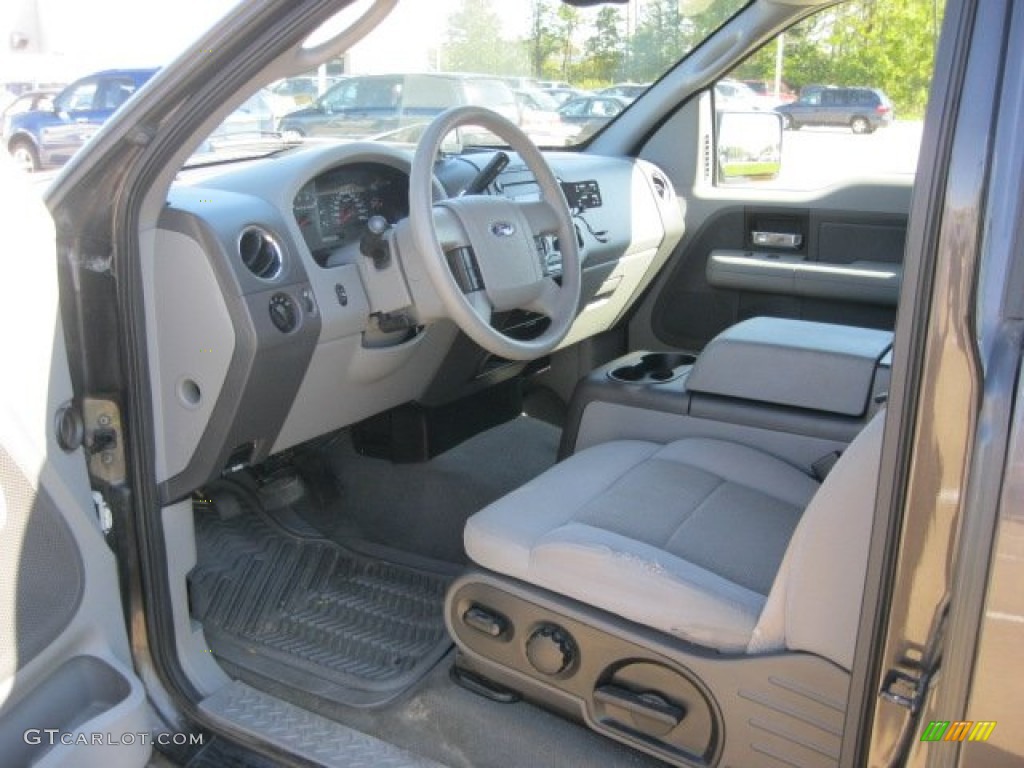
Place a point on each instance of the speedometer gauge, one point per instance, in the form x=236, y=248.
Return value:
x=343, y=213
x=332, y=209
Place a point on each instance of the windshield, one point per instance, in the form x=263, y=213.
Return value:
x=523, y=60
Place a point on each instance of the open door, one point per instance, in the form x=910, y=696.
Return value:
x=68, y=695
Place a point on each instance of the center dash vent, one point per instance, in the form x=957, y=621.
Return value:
x=260, y=253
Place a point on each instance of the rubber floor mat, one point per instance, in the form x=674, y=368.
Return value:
x=311, y=614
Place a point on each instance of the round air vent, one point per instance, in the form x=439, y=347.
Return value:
x=260, y=253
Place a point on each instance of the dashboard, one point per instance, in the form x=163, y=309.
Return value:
x=267, y=325
x=332, y=209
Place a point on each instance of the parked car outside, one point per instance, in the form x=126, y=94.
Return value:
x=627, y=91
x=562, y=94
x=864, y=110
x=766, y=90
x=520, y=82
x=538, y=116
x=304, y=89
x=46, y=138
x=258, y=116
x=583, y=117
x=371, y=105
x=38, y=99
x=535, y=99
x=734, y=96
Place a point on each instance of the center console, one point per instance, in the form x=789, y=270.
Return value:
x=796, y=389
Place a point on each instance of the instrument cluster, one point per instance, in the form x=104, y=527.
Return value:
x=333, y=208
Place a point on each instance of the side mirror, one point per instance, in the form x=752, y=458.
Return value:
x=749, y=145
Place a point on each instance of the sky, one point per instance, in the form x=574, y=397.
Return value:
x=87, y=35
x=84, y=35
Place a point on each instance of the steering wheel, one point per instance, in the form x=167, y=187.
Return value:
x=481, y=252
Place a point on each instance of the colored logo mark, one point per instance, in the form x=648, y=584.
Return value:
x=958, y=730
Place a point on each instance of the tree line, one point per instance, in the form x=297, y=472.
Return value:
x=889, y=44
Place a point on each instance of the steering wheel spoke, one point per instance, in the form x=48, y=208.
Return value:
x=541, y=215
x=481, y=305
x=549, y=300
x=450, y=232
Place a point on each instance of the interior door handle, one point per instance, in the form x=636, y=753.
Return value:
x=790, y=240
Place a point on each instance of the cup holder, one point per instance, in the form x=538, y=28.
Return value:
x=653, y=368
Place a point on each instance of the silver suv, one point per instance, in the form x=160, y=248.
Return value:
x=377, y=105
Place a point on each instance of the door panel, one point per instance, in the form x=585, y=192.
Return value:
x=814, y=257
x=40, y=599
x=68, y=695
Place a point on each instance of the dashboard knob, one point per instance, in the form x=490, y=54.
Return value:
x=551, y=650
x=283, y=312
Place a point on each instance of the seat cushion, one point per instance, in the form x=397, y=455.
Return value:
x=685, y=538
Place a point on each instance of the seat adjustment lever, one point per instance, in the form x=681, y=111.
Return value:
x=647, y=705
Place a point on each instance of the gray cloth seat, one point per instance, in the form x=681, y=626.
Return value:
x=713, y=542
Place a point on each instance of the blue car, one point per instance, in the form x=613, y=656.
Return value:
x=47, y=138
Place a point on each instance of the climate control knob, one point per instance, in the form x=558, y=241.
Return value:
x=551, y=650
x=283, y=312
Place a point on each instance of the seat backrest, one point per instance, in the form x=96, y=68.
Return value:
x=814, y=603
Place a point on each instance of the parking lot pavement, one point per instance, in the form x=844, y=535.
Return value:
x=818, y=157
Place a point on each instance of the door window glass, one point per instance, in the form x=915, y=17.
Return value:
x=116, y=91
x=379, y=93
x=340, y=98
x=79, y=98
x=850, y=85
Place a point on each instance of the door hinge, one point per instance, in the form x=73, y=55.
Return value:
x=909, y=686
x=904, y=689
x=104, y=440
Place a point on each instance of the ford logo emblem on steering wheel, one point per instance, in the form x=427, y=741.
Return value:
x=503, y=229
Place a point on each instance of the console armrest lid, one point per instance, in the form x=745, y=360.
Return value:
x=795, y=363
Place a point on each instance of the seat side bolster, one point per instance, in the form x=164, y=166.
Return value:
x=814, y=604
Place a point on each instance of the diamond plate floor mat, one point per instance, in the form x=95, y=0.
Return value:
x=309, y=613
x=305, y=733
